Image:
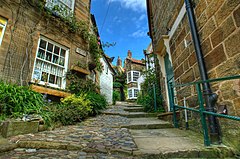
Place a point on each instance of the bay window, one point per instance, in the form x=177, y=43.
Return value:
x=132, y=76
x=132, y=93
x=50, y=64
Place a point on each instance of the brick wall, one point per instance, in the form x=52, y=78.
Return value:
x=218, y=22
x=25, y=25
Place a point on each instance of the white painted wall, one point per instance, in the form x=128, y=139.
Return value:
x=106, y=81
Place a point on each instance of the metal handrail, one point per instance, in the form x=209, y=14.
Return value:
x=201, y=109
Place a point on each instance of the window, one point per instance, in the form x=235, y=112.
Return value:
x=129, y=77
x=132, y=76
x=135, y=92
x=132, y=93
x=3, y=24
x=62, y=7
x=136, y=75
x=50, y=64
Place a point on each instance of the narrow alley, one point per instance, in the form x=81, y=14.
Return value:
x=122, y=131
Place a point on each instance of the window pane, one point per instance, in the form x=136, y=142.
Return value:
x=61, y=62
x=63, y=52
x=43, y=44
x=52, y=79
x=41, y=54
x=48, y=56
x=56, y=50
x=55, y=59
x=50, y=47
x=44, y=77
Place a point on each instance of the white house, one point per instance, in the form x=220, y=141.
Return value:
x=106, y=79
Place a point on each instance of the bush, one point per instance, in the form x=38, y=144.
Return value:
x=18, y=100
x=72, y=109
x=98, y=102
x=116, y=97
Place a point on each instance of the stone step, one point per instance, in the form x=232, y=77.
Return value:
x=147, y=123
x=138, y=115
x=175, y=143
x=134, y=109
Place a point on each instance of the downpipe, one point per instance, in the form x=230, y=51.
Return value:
x=210, y=98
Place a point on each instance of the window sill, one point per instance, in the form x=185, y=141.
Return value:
x=44, y=90
x=81, y=70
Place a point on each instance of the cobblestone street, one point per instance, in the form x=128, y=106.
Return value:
x=98, y=137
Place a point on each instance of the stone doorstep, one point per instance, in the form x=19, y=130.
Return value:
x=138, y=115
x=67, y=146
x=190, y=153
x=134, y=109
x=148, y=126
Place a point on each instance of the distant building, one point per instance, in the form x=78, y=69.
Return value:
x=133, y=70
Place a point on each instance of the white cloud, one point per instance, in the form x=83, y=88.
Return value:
x=139, y=33
x=136, y=5
x=117, y=19
x=142, y=17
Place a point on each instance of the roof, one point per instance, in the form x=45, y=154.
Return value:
x=136, y=61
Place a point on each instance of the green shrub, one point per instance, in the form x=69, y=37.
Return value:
x=73, y=109
x=98, y=102
x=18, y=100
x=116, y=97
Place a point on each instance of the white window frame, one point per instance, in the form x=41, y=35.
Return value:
x=130, y=76
x=132, y=94
x=56, y=69
x=3, y=26
x=51, y=3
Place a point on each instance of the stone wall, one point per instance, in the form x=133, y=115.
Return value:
x=218, y=23
x=25, y=24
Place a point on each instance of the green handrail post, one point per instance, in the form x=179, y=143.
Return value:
x=172, y=105
x=202, y=115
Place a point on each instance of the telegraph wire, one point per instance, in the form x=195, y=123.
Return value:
x=104, y=20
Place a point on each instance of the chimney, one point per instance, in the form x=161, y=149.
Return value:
x=129, y=54
x=119, y=61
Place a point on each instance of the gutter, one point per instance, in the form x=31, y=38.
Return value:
x=210, y=98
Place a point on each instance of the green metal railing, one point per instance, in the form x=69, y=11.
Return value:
x=203, y=113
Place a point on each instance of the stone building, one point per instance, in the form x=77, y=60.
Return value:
x=133, y=70
x=218, y=26
x=42, y=40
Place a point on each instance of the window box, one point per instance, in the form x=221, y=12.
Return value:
x=50, y=91
x=79, y=69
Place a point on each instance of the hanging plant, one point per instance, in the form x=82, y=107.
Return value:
x=92, y=65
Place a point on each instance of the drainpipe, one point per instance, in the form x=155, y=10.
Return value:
x=210, y=98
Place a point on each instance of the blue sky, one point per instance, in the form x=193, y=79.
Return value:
x=126, y=24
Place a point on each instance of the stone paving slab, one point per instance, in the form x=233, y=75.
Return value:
x=147, y=123
x=23, y=153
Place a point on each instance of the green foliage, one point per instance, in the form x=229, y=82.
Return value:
x=116, y=97
x=146, y=97
x=98, y=102
x=78, y=85
x=95, y=51
x=18, y=100
x=72, y=109
x=117, y=85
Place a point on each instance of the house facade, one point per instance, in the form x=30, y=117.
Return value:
x=218, y=27
x=106, y=79
x=133, y=70
x=42, y=40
